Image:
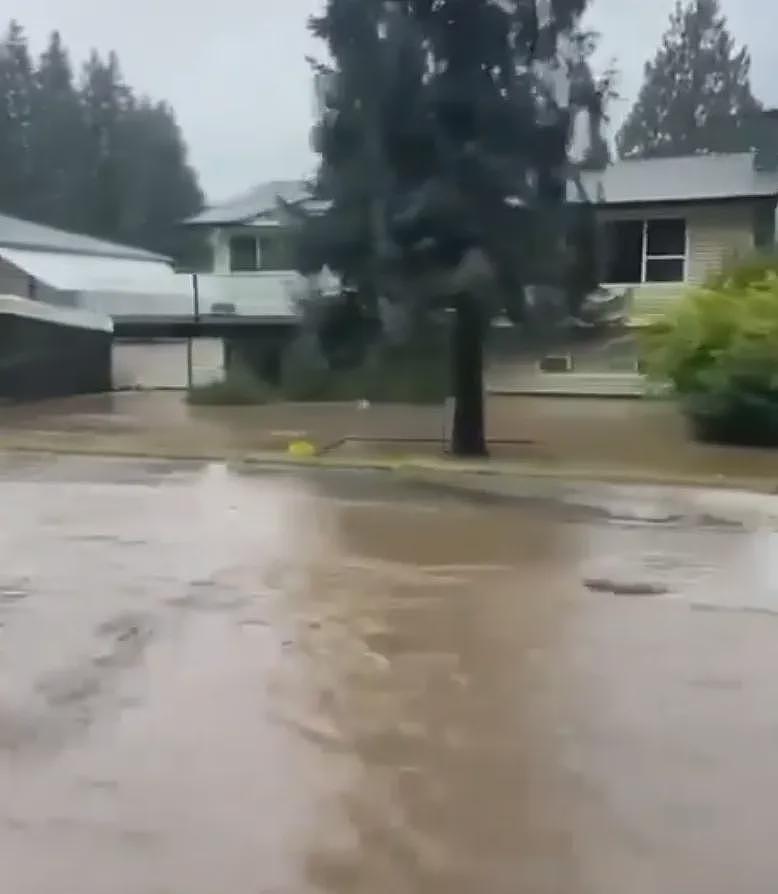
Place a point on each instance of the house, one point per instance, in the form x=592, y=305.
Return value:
x=672, y=222
x=666, y=222
x=252, y=250
x=46, y=264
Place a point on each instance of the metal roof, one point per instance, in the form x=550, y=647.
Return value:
x=68, y=271
x=262, y=199
x=18, y=233
x=691, y=178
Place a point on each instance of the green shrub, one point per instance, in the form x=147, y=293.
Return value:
x=719, y=349
x=746, y=272
x=238, y=388
x=415, y=373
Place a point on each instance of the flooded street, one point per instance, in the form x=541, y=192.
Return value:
x=245, y=683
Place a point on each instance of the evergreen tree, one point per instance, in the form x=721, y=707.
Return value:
x=58, y=143
x=696, y=96
x=91, y=158
x=157, y=183
x=105, y=101
x=444, y=141
x=16, y=88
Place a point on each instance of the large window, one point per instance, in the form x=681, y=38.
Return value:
x=243, y=254
x=644, y=251
x=276, y=252
x=270, y=251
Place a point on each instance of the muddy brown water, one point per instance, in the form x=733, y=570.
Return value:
x=220, y=682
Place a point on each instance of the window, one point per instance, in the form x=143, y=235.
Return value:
x=276, y=252
x=243, y=254
x=644, y=251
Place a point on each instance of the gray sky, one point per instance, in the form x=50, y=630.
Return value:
x=235, y=70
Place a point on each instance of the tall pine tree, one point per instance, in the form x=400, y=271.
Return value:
x=696, y=97
x=157, y=184
x=444, y=143
x=106, y=101
x=58, y=143
x=90, y=157
x=16, y=89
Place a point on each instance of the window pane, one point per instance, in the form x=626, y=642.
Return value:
x=623, y=250
x=664, y=270
x=243, y=253
x=666, y=237
x=276, y=252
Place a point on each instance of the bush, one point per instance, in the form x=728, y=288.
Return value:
x=719, y=349
x=746, y=272
x=415, y=373
x=239, y=388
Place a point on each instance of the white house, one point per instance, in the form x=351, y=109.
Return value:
x=253, y=270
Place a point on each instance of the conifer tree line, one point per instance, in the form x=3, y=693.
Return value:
x=82, y=151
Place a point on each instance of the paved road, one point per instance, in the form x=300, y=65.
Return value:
x=214, y=682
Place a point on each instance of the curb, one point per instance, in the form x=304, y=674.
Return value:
x=455, y=473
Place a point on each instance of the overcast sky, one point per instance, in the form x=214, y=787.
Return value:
x=236, y=74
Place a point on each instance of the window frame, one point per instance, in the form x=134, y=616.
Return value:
x=646, y=257
x=268, y=237
x=649, y=257
x=237, y=271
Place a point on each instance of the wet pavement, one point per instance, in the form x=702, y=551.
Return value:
x=214, y=681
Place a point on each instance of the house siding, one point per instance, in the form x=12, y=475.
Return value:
x=716, y=234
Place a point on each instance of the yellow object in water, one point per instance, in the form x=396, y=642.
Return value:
x=302, y=449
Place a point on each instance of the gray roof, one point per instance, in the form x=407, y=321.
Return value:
x=262, y=199
x=692, y=178
x=18, y=233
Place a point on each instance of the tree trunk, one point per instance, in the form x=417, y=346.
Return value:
x=468, y=436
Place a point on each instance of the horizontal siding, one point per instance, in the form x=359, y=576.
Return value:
x=717, y=236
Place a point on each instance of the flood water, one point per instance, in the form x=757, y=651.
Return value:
x=216, y=681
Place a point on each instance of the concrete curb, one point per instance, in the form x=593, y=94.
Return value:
x=452, y=472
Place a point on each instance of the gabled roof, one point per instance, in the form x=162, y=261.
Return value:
x=23, y=234
x=262, y=199
x=689, y=178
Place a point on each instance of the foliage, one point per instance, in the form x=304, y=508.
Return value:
x=238, y=388
x=745, y=272
x=90, y=156
x=696, y=96
x=444, y=142
x=719, y=348
x=416, y=372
